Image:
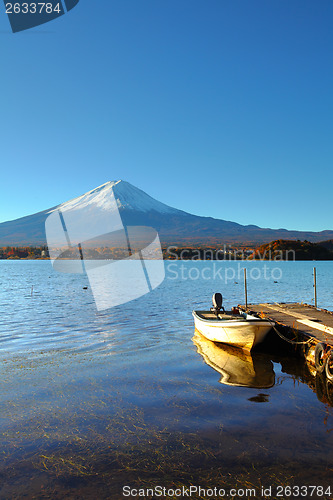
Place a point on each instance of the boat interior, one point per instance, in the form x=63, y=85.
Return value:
x=226, y=315
x=218, y=312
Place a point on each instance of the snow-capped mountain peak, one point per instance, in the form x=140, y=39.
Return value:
x=127, y=196
x=136, y=208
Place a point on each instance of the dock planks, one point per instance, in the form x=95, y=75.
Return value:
x=307, y=321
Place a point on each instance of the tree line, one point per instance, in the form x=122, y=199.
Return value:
x=28, y=252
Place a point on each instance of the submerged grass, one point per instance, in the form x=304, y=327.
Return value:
x=77, y=441
x=129, y=451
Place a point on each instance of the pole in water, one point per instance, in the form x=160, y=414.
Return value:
x=32, y=290
x=315, y=286
x=245, y=286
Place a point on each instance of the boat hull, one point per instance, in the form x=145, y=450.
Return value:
x=243, y=332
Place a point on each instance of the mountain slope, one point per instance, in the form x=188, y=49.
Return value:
x=138, y=208
x=128, y=197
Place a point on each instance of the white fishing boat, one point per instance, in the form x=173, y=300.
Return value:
x=236, y=328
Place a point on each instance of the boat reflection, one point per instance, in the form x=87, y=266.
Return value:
x=237, y=367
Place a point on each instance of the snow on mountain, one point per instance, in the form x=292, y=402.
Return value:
x=137, y=208
x=127, y=196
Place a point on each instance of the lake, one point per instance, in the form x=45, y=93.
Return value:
x=111, y=404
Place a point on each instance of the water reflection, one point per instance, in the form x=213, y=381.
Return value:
x=237, y=367
x=255, y=369
x=260, y=398
x=304, y=372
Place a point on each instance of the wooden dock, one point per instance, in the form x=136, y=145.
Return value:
x=301, y=323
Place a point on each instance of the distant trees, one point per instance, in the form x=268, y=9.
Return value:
x=24, y=252
x=275, y=250
x=292, y=250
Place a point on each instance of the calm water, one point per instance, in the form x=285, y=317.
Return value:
x=92, y=401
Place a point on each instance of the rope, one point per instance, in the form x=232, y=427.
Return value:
x=285, y=338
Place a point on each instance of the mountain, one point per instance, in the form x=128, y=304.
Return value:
x=138, y=208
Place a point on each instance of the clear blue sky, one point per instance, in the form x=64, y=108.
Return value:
x=219, y=108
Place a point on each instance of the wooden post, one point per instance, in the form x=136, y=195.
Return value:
x=245, y=286
x=315, y=286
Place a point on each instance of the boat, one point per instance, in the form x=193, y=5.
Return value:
x=236, y=366
x=234, y=327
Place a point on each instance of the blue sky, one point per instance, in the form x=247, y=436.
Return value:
x=219, y=108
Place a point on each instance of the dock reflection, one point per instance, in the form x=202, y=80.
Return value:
x=243, y=369
x=303, y=372
x=236, y=367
